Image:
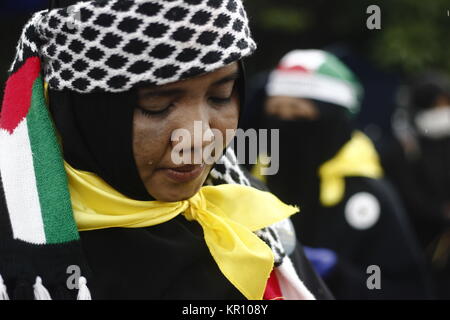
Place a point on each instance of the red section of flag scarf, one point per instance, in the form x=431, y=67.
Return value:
x=273, y=291
x=293, y=68
x=17, y=98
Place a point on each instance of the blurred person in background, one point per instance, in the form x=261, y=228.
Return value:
x=418, y=163
x=333, y=173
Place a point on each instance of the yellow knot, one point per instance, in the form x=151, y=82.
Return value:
x=196, y=205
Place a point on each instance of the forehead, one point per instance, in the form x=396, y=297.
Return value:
x=206, y=79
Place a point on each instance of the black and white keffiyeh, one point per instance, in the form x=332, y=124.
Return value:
x=111, y=46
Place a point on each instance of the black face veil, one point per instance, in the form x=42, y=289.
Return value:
x=304, y=146
x=96, y=133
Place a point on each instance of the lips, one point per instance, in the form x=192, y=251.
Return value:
x=185, y=168
x=184, y=173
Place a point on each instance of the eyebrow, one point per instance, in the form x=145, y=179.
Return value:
x=232, y=77
x=170, y=92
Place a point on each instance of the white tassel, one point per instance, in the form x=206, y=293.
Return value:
x=40, y=292
x=3, y=292
x=83, y=290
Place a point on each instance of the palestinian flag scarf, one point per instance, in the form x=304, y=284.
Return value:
x=35, y=214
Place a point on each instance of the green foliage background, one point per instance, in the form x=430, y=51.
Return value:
x=414, y=34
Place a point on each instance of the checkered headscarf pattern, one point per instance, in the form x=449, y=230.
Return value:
x=111, y=46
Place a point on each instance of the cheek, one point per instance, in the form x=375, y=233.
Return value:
x=226, y=119
x=150, y=142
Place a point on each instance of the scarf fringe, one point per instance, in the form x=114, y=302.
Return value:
x=83, y=290
x=40, y=292
x=3, y=290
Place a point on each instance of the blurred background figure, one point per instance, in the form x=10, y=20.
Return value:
x=333, y=172
x=418, y=162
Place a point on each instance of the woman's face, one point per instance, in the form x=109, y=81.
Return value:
x=211, y=99
x=290, y=108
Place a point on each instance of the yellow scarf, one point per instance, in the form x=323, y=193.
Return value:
x=228, y=215
x=257, y=169
x=357, y=158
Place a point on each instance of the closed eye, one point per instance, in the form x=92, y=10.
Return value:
x=161, y=112
x=220, y=101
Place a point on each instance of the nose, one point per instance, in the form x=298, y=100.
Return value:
x=193, y=134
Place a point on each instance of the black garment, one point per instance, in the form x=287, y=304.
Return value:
x=388, y=244
x=423, y=181
x=309, y=276
x=167, y=261
x=304, y=146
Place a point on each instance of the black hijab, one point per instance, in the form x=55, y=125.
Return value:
x=96, y=133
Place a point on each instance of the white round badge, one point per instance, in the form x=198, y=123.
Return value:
x=362, y=210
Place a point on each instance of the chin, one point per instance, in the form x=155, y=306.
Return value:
x=168, y=191
x=173, y=193
x=179, y=196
